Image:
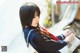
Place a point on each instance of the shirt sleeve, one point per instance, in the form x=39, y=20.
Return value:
x=61, y=37
x=48, y=44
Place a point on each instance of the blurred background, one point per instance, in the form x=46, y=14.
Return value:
x=55, y=17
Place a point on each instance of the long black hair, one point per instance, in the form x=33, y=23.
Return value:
x=27, y=12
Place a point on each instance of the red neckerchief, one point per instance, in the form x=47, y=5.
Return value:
x=51, y=35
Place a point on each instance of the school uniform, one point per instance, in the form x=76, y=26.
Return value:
x=42, y=43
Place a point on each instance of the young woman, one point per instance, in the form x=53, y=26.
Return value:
x=38, y=37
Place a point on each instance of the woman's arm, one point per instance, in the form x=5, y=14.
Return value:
x=47, y=44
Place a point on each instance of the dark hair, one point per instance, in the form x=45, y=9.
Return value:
x=27, y=12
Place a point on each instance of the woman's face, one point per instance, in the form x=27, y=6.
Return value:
x=35, y=20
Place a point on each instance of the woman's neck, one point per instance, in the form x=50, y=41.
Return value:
x=31, y=27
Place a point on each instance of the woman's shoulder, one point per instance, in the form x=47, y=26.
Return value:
x=33, y=33
x=36, y=33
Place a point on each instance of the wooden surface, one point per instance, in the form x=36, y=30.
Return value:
x=78, y=14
